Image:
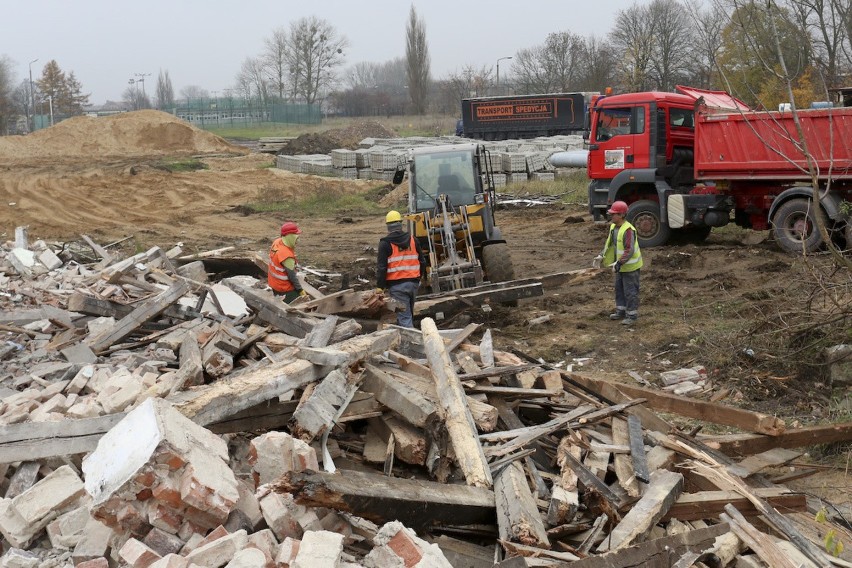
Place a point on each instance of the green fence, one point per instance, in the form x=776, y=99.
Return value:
x=229, y=112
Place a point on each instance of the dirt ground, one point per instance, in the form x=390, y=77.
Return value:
x=107, y=184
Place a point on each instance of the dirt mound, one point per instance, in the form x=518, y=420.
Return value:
x=131, y=134
x=348, y=138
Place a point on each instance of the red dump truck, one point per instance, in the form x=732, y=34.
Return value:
x=689, y=161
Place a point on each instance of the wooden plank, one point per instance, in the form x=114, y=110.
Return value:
x=517, y=514
x=449, y=305
x=24, y=477
x=622, y=462
x=364, y=304
x=592, y=482
x=609, y=393
x=410, y=443
x=415, y=503
x=749, y=444
x=273, y=311
x=655, y=553
x=760, y=543
x=662, y=492
x=709, y=504
x=564, y=500
x=770, y=458
x=497, y=372
x=147, y=311
x=637, y=449
x=461, y=336
x=700, y=410
x=316, y=414
x=454, y=409
x=511, y=421
x=89, y=305
x=400, y=397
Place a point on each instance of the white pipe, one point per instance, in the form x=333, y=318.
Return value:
x=569, y=159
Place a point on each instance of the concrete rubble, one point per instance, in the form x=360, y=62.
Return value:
x=153, y=419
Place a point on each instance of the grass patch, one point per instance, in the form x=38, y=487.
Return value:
x=572, y=189
x=326, y=201
x=181, y=165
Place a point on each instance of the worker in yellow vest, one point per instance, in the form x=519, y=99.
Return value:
x=399, y=266
x=281, y=273
x=622, y=253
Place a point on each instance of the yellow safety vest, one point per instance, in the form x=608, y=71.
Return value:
x=613, y=253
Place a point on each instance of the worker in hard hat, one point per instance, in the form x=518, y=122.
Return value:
x=622, y=253
x=281, y=275
x=399, y=266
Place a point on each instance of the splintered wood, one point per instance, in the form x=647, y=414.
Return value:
x=468, y=445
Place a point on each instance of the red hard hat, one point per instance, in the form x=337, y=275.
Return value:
x=619, y=207
x=290, y=228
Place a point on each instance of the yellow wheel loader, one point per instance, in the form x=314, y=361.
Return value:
x=451, y=201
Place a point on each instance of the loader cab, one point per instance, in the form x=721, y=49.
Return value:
x=453, y=172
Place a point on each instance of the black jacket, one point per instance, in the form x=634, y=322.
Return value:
x=401, y=239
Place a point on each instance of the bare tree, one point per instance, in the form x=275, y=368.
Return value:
x=418, y=62
x=469, y=82
x=633, y=38
x=135, y=98
x=194, y=92
x=250, y=81
x=363, y=75
x=823, y=21
x=275, y=61
x=315, y=51
x=165, y=90
x=707, y=25
x=555, y=66
x=673, y=39
x=599, y=64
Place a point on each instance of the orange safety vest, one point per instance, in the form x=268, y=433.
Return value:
x=276, y=276
x=403, y=264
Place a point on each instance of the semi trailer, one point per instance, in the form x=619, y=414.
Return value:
x=522, y=116
x=689, y=161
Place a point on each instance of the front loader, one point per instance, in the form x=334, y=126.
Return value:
x=451, y=201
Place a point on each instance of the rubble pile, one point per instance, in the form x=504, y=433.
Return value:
x=152, y=418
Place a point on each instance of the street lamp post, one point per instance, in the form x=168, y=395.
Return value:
x=498, y=71
x=32, y=97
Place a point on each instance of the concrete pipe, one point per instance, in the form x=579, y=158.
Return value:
x=569, y=159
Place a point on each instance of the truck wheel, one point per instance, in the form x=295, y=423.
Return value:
x=645, y=216
x=794, y=227
x=497, y=263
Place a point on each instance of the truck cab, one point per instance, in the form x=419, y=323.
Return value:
x=641, y=151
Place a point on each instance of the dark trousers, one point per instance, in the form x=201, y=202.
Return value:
x=627, y=293
x=288, y=296
x=405, y=293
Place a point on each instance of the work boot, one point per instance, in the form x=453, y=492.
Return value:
x=629, y=320
x=616, y=315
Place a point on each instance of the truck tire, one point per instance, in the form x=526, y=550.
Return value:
x=497, y=263
x=794, y=227
x=650, y=228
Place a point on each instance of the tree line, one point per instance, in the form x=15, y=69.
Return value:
x=723, y=44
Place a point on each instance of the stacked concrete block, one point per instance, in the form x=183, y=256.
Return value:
x=542, y=176
x=273, y=454
x=396, y=545
x=362, y=158
x=343, y=159
x=25, y=516
x=534, y=162
x=513, y=162
x=499, y=179
x=516, y=177
x=346, y=173
x=157, y=468
x=365, y=173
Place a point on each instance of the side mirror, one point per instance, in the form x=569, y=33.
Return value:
x=398, y=176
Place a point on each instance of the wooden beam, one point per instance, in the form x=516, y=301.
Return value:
x=709, y=504
x=623, y=464
x=316, y=415
x=700, y=410
x=662, y=492
x=463, y=300
x=564, y=500
x=406, y=401
x=417, y=504
x=759, y=542
x=655, y=553
x=454, y=409
x=148, y=310
x=749, y=444
x=637, y=449
x=219, y=400
x=517, y=513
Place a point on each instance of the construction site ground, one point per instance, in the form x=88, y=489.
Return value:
x=699, y=301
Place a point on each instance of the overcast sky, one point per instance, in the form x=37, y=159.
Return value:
x=204, y=42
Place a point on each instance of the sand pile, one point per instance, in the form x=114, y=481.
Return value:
x=132, y=134
x=349, y=137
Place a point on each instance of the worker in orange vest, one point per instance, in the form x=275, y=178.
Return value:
x=281, y=275
x=400, y=264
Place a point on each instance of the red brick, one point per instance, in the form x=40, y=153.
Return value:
x=405, y=548
x=99, y=562
x=165, y=519
x=137, y=554
x=216, y=533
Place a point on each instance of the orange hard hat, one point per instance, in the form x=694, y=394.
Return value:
x=619, y=208
x=290, y=228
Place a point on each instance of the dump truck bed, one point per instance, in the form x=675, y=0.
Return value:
x=730, y=145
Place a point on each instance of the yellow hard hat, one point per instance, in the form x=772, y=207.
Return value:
x=393, y=217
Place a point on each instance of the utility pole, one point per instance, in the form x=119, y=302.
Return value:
x=141, y=79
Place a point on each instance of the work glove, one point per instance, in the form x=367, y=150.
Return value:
x=380, y=290
x=302, y=293
x=617, y=266
x=596, y=263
